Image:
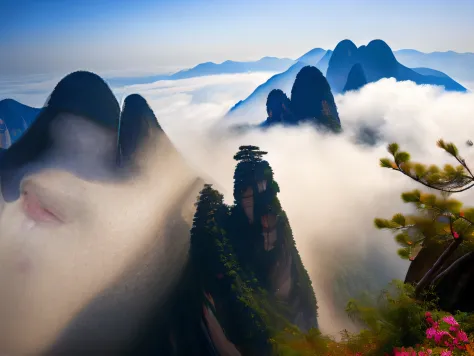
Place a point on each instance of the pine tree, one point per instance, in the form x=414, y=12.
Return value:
x=441, y=219
x=206, y=232
x=238, y=302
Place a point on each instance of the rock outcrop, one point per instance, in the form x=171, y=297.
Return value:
x=312, y=99
x=311, y=102
x=278, y=109
x=248, y=266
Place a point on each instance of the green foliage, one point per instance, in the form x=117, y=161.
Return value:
x=404, y=253
x=399, y=219
x=394, y=319
x=235, y=268
x=393, y=148
x=448, y=179
x=439, y=218
x=249, y=153
x=385, y=163
x=401, y=157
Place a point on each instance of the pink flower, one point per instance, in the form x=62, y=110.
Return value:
x=430, y=333
x=461, y=336
x=446, y=353
x=456, y=235
x=450, y=319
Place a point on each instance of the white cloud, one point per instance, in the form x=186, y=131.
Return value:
x=331, y=188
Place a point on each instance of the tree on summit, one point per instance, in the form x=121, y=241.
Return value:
x=249, y=154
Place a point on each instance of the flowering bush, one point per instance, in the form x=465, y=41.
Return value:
x=396, y=318
x=445, y=337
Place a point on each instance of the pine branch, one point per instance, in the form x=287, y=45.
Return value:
x=454, y=180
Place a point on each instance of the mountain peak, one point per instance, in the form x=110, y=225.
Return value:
x=312, y=99
x=378, y=60
x=381, y=50
x=345, y=55
x=345, y=45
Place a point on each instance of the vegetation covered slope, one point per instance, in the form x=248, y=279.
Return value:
x=246, y=260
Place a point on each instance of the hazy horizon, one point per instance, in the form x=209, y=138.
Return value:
x=51, y=37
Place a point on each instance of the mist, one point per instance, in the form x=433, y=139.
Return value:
x=331, y=187
x=118, y=254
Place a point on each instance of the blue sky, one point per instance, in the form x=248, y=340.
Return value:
x=44, y=36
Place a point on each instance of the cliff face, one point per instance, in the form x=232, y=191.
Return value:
x=249, y=268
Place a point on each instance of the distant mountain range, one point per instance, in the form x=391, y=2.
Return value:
x=378, y=61
x=284, y=81
x=266, y=64
x=367, y=64
x=460, y=66
x=457, y=65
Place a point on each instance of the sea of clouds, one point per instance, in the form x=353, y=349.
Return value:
x=331, y=187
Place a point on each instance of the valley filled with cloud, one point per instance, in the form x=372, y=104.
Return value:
x=331, y=187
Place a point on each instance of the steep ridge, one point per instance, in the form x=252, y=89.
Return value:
x=323, y=64
x=311, y=102
x=252, y=277
x=250, y=106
